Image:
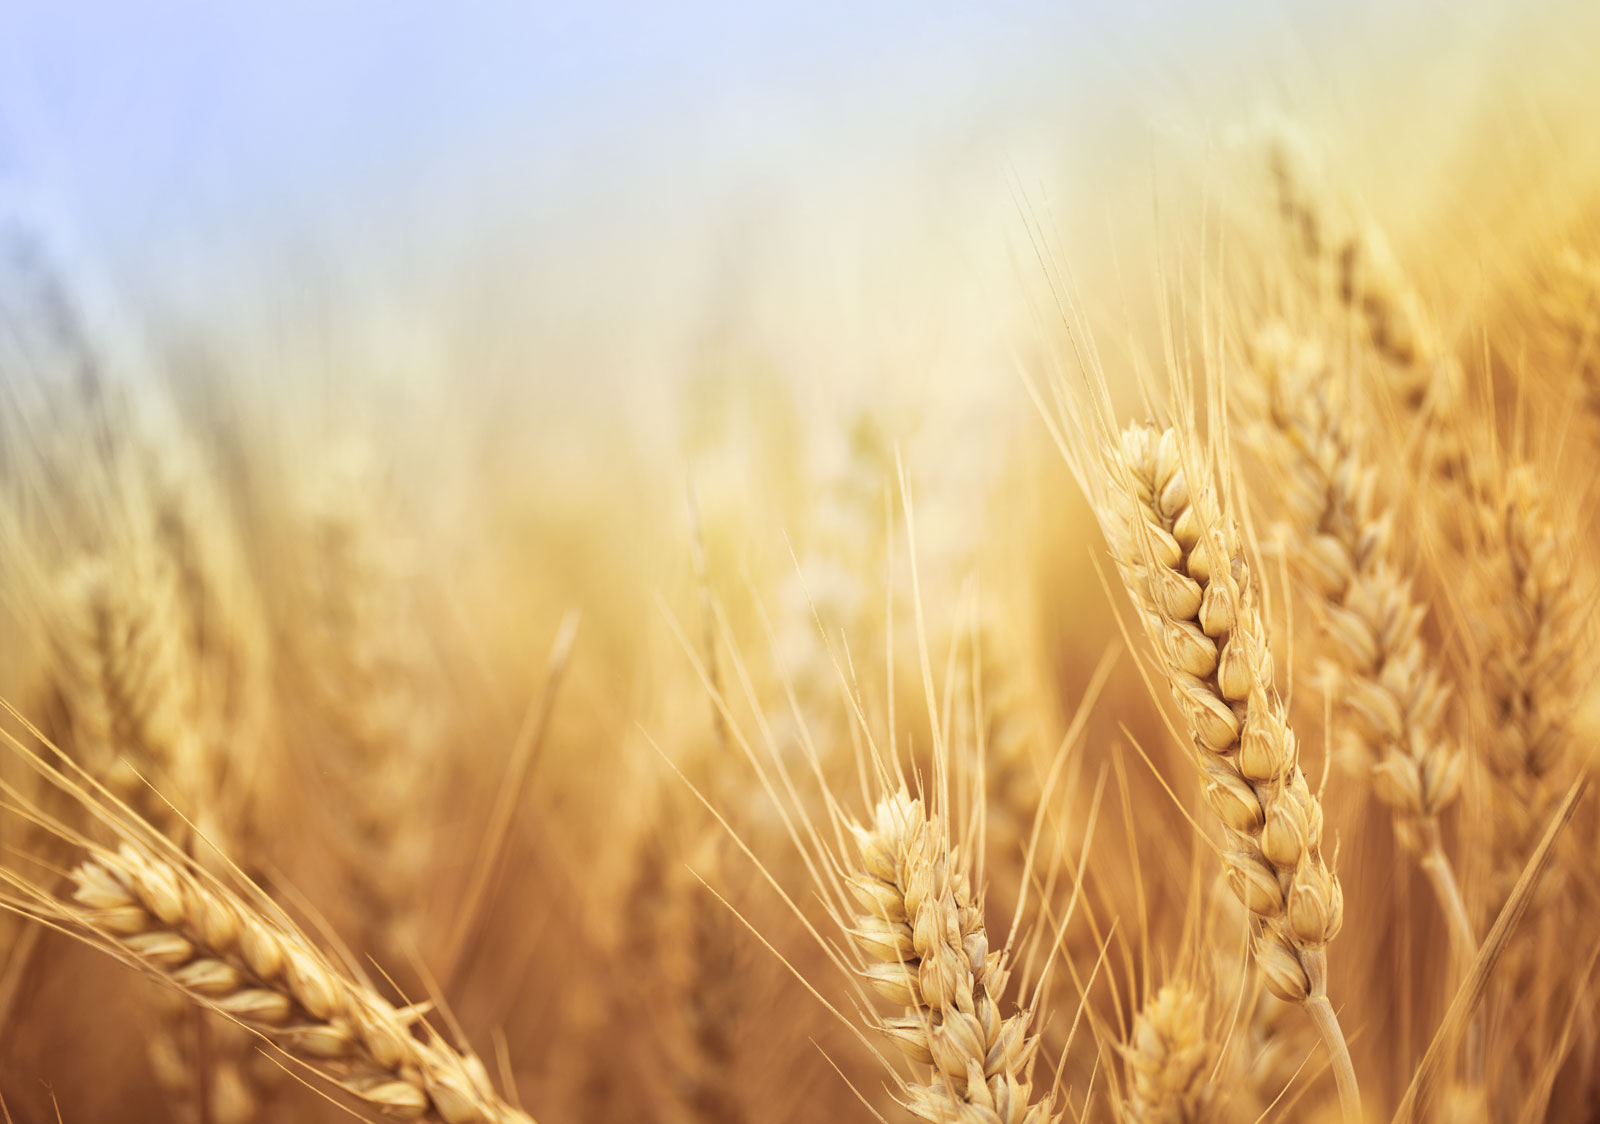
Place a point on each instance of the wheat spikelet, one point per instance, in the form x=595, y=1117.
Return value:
x=1183, y=564
x=926, y=949
x=194, y=935
x=1168, y=1056
x=1341, y=549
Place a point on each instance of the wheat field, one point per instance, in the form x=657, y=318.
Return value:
x=1176, y=704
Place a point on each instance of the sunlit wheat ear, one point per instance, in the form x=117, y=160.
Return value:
x=926, y=950
x=156, y=914
x=125, y=678
x=1182, y=561
x=1168, y=1057
x=1531, y=637
x=1389, y=691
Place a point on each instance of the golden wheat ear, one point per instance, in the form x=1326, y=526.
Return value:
x=1182, y=561
x=926, y=949
x=145, y=903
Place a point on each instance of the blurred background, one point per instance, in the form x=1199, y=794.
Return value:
x=561, y=219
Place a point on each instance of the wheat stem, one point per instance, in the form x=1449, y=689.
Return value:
x=1344, y=1071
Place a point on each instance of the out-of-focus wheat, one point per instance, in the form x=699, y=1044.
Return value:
x=1169, y=1057
x=1340, y=546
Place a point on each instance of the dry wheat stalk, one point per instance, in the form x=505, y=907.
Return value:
x=1006, y=716
x=1182, y=561
x=161, y=915
x=926, y=949
x=1168, y=1056
x=1341, y=550
x=636, y=953
x=1348, y=258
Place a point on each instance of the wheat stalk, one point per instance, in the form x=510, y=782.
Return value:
x=1183, y=564
x=923, y=938
x=1534, y=659
x=162, y=916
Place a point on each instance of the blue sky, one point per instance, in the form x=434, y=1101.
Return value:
x=223, y=132
x=144, y=113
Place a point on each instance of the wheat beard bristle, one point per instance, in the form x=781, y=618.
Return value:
x=220, y=951
x=926, y=949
